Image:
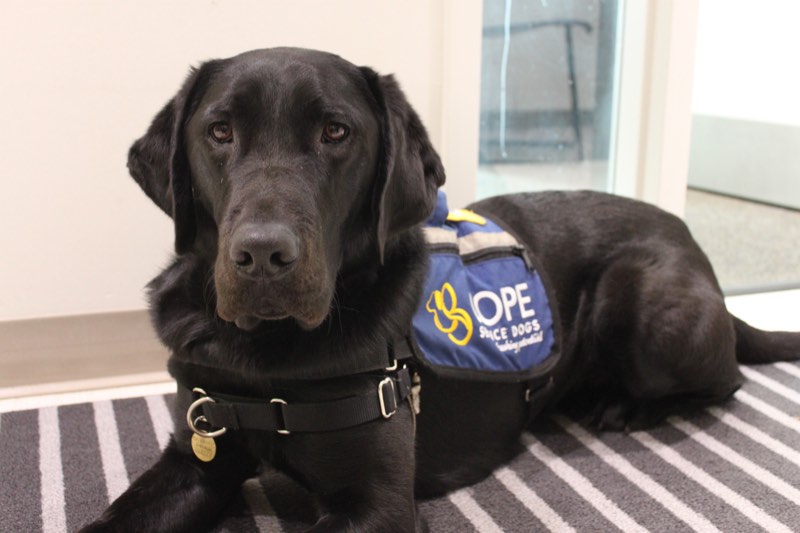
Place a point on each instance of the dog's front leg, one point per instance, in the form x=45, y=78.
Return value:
x=363, y=477
x=179, y=493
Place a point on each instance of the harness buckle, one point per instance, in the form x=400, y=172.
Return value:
x=381, y=387
x=192, y=421
x=281, y=418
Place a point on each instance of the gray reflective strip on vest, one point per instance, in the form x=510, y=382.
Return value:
x=440, y=236
x=474, y=242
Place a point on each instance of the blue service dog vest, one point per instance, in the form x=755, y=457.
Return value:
x=485, y=312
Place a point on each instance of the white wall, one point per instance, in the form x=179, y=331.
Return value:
x=81, y=81
x=746, y=66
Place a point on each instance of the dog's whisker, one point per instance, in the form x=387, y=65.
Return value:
x=208, y=289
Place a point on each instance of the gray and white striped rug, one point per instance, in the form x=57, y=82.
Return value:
x=730, y=468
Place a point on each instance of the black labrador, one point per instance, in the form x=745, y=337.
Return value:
x=297, y=183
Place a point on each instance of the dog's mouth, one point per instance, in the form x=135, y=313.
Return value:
x=248, y=312
x=249, y=319
x=251, y=322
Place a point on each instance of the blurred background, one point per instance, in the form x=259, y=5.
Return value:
x=688, y=104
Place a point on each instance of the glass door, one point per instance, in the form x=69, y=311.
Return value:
x=548, y=93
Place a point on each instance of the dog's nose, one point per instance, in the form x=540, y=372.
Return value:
x=264, y=249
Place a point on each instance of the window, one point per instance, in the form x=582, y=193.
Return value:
x=547, y=95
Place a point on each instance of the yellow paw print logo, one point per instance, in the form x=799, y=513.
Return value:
x=444, y=301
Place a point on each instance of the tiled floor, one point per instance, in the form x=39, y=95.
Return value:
x=751, y=245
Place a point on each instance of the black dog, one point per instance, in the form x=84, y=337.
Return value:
x=297, y=183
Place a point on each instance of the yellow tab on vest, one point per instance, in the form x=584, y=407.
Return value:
x=465, y=215
x=204, y=448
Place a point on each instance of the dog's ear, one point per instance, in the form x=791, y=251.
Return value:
x=410, y=171
x=159, y=164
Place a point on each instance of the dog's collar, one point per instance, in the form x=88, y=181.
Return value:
x=213, y=414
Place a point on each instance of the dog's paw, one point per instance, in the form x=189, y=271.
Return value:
x=611, y=415
x=626, y=414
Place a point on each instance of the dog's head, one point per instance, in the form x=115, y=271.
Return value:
x=287, y=168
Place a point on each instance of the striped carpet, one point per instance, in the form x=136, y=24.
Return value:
x=730, y=468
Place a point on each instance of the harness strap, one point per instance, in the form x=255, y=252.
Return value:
x=275, y=414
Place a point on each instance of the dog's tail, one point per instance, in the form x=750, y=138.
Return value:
x=755, y=346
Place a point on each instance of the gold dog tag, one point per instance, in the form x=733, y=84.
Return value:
x=204, y=448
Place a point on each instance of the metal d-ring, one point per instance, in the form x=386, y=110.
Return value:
x=193, y=422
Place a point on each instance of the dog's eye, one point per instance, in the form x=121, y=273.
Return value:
x=221, y=132
x=334, y=132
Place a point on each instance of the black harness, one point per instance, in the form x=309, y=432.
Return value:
x=212, y=414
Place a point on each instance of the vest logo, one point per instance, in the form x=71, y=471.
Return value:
x=446, y=302
x=506, y=318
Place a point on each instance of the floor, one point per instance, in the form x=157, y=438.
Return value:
x=752, y=246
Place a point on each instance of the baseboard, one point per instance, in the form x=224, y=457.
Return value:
x=70, y=348
x=83, y=390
